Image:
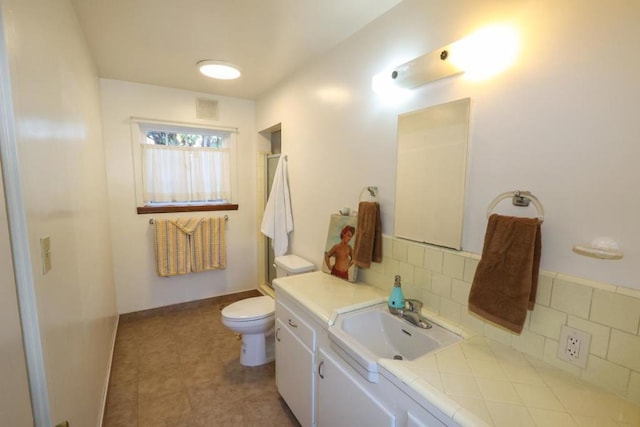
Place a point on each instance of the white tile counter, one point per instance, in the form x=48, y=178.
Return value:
x=326, y=296
x=480, y=382
x=477, y=382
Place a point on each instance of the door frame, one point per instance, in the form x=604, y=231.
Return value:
x=17, y=220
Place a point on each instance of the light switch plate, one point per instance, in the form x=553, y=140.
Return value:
x=45, y=254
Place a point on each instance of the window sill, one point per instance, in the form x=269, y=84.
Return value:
x=186, y=208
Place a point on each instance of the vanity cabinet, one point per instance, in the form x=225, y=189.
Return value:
x=341, y=401
x=295, y=362
x=321, y=388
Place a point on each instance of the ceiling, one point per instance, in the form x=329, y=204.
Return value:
x=159, y=42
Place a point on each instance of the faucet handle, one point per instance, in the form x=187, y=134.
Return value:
x=413, y=305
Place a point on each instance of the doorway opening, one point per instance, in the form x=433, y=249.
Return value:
x=269, y=163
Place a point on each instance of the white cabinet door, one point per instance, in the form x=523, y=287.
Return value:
x=294, y=373
x=423, y=419
x=344, y=402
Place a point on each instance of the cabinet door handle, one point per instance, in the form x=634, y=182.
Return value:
x=292, y=324
x=278, y=334
x=320, y=369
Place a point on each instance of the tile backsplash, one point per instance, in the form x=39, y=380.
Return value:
x=442, y=278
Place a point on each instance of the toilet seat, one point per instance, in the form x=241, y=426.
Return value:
x=250, y=309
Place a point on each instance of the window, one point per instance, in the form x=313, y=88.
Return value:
x=183, y=168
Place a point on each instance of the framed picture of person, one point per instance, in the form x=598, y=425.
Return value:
x=338, y=252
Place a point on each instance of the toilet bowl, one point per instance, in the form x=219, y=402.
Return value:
x=254, y=317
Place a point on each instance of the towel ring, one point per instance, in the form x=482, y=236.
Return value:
x=519, y=198
x=373, y=193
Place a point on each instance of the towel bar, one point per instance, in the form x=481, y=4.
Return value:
x=152, y=221
x=518, y=198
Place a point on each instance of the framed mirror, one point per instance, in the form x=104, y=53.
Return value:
x=431, y=174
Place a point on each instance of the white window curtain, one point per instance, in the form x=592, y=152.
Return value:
x=179, y=174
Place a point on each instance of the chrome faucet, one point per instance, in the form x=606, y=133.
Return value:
x=412, y=314
x=413, y=305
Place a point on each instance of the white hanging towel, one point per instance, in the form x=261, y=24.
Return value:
x=277, y=221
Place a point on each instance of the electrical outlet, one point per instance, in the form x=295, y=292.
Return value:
x=573, y=346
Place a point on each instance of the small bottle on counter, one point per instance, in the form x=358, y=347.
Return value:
x=396, y=299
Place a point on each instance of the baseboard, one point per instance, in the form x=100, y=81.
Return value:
x=106, y=383
x=265, y=289
x=221, y=299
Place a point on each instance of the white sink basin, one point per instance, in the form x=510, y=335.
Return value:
x=365, y=336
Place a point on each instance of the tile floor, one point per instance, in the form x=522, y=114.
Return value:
x=179, y=366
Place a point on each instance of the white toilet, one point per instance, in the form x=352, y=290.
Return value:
x=254, y=318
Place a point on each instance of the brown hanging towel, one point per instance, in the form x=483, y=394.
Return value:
x=506, y=280
x=368, y=240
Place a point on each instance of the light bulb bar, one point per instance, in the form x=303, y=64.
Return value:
x=425, y=69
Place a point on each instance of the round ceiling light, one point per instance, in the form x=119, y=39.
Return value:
x=219, y=70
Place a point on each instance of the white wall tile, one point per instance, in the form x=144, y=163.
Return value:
x=470, y=266
x=415, y=255
x=471, y=322
x=441, y=285
x=431, y=301
x=433, y=259
x=460, y=291
x=546, y=321
x=411, y=291
x=406, y=271
x=498, y=333
x=422, y=278
x=529, y=343
x=609, y=375
x=453, y=265
x=634, y=388
x=586, y=282
x=635, y=293
x=377, y=266
x=615, y=310
x=373, y=278
x=624, y=349
x=391, y=266
x=451, y=310
x=444, y=282
x=399, y=250
x=387, y=245
x=543, y=293
x=571, y=298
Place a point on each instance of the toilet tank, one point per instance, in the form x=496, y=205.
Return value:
x=288, y=265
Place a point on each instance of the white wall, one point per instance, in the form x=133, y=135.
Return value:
x=138, y=285
x=561, y=123
x=62, y=173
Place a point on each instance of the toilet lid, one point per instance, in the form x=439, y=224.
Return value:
x=250, y=308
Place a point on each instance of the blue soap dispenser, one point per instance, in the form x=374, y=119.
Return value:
x=396, y=300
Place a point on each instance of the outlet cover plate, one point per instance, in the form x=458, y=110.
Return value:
x=573, y=346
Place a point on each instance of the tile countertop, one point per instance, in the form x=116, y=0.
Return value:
x=477, y=382
x=326, y=296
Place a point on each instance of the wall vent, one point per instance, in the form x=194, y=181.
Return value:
x=206, y=109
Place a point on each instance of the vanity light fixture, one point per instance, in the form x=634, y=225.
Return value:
x=424, y=69
x=479, y=56
x=219, y=70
